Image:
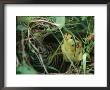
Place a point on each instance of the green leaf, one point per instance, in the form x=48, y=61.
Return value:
x=26, y=69
x=26, y=19
x=21, y=28
x=83, y=18
x=60, y=21
x=84, y=62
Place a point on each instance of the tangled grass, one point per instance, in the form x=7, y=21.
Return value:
x=39, y=41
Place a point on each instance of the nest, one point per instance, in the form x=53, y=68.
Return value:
x=39, y=43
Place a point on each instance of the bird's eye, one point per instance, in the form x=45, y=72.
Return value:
x=72, y=45
x=71, y=37
x=66, y=34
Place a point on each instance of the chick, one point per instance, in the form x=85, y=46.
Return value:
x=70, y=50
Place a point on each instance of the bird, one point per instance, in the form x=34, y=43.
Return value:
x=71, y=49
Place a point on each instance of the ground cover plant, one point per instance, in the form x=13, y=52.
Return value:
x=55, y=45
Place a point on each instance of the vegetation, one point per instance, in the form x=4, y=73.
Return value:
x=54, y=45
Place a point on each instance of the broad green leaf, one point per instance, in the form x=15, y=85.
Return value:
x=21, y=28
x=60, y=21
x=83, y=18
x=26, y=19
x=26, y=69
